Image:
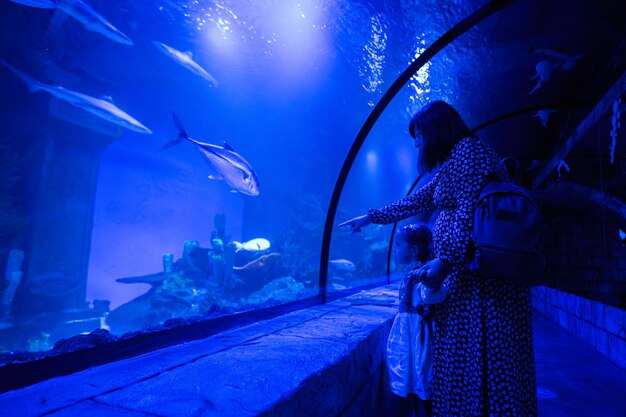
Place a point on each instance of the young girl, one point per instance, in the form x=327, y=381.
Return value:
x=409, y=348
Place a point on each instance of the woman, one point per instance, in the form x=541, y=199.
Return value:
x=483, y=351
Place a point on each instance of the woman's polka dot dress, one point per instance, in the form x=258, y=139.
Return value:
x=483, y=358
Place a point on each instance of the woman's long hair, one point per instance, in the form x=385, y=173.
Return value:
x=440, y=127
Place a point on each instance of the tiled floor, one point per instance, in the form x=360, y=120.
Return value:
x=573, y=379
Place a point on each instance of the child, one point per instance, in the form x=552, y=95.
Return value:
x=409, y=347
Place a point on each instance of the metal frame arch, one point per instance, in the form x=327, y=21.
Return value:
x=460, y=28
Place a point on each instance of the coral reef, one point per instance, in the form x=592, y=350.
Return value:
x=194, y=285
x=218, y=280
x=280, y=290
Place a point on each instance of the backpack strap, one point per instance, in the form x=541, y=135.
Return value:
x=512, y=167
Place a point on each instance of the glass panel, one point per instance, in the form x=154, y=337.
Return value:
x=118, y=221
x=115, y=219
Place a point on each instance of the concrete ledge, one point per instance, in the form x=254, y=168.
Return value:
x=325, y=360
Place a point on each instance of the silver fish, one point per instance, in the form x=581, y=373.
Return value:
x=254, y=245
x=342, y=264
x=186, y=60
x=85, y=14
x=101, y=108
x=232, y=167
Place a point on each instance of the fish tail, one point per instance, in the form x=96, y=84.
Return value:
x=33, y=84
x=238, y=246
x=180, y=136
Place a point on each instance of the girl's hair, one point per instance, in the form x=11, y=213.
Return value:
x=420, y=236
x=440, y=127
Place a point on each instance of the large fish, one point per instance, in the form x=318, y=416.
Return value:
x=186, y=60
x=85, y=14
x=231, y=167
x=101, y=108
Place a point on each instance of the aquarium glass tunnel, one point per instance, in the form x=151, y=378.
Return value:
x=172, y=168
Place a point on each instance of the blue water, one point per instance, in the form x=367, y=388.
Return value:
x=291, y=84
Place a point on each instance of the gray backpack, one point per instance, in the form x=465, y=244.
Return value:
x=508, y=235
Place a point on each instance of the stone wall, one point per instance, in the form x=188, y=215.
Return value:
x=600, y=326
x=585, y=255
x=326, y=360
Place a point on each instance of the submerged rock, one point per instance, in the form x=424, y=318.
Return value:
x=283, y=289
x=81, y=341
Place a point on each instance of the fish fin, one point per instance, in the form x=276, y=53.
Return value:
x=536, y=87
x=42, y=5
x=234, y=191
x=107, y=98
x=189, y=54
x=622, y=234
x=228, y=147
x=182, y=133
x=216, y=177
x=32, y=84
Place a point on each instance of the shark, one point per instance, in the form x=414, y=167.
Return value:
x=260, y=262
x=231, y=167
x=83, y=13
x=104, y=109
x=185, y=59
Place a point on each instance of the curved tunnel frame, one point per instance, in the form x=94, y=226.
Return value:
x=430, y=52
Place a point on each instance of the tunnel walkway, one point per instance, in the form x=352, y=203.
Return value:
x=573, y=379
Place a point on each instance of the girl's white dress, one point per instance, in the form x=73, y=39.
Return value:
x=409, y=347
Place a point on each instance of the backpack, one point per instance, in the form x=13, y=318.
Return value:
x=508, y=233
